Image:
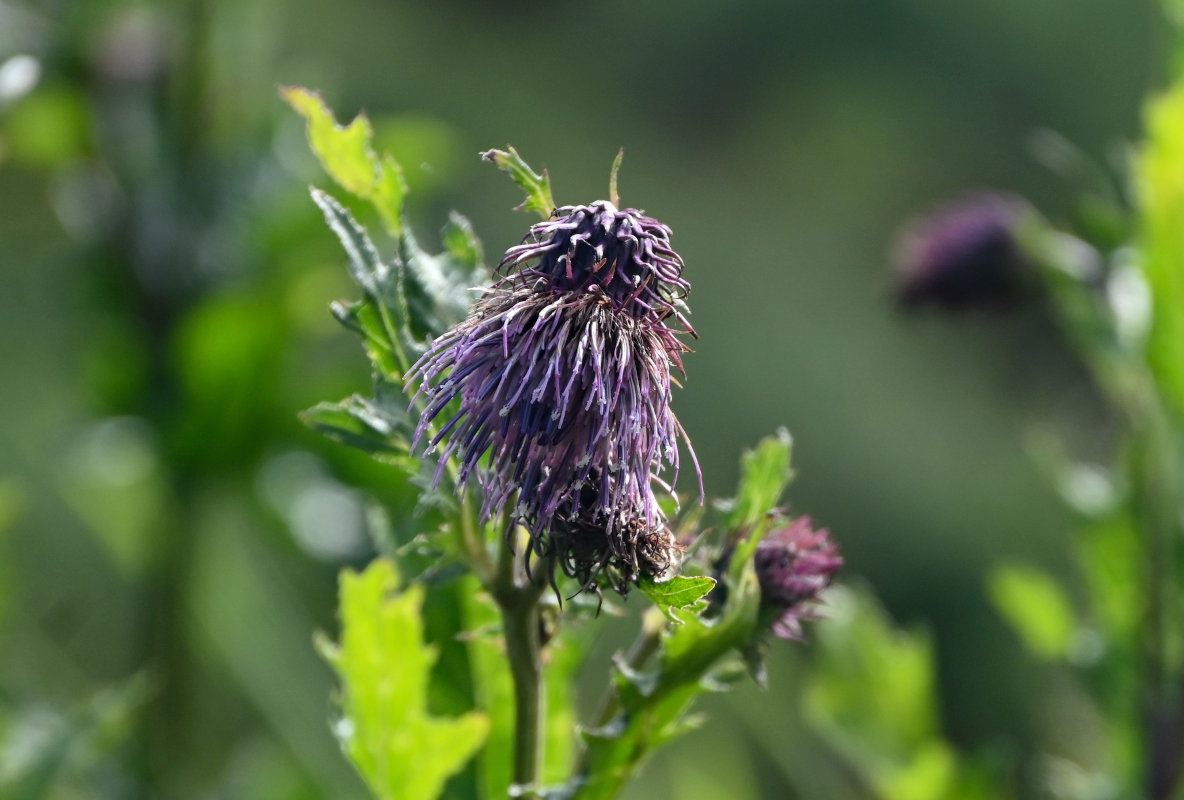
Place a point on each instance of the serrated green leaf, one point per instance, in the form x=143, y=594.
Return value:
x=401, y=751
x=764, y=474
x=346, y=154
x=1036, y=607
x=678, y=592
x=1161, y=199
x=538, y=187
x=365, y=425
x=438, y=287
x=365, y=265
x=388, y=322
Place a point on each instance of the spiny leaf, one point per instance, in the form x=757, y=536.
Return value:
x=383, y=284
x=613, y=195
x=678, y=592
x=765, y=472
x=538, y=187
x=346, y=154
x=401, y=751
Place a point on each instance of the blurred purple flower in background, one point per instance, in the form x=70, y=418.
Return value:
x=563, y=376
x=794, y=563
x=965, y=254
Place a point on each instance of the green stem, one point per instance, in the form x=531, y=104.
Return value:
x=472, y=545
x=645, y=645
x=1156, y=475
x=518, y=600
x=521, y=626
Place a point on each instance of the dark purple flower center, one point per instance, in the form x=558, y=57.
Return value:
x=624, y=254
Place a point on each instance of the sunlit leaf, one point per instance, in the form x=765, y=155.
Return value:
x=538, y=187
x=764, y=475
x=1161, y=196
x=346, y=154
x=679, y=592
x=1036, y=607
x=401, y=751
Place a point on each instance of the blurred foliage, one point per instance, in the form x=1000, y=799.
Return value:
x=1036, y=607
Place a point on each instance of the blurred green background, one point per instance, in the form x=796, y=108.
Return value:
x=170, y=533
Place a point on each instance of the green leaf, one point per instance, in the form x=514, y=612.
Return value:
x=678, y=592
x=1036, y=607
x=365, y=425
x=538, y=187
x=439, y=287
x=764, y=475
x=387, y=323
x=346, y=154
x=1161, y=198
x=401, y=751
x=613, y=195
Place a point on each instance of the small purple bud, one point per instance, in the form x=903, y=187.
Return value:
x=794, y=563
x=965, y=254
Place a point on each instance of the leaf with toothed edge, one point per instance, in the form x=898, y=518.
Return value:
x=680, y=591
x=401, y=750
x=346, y=154
x=538, y=187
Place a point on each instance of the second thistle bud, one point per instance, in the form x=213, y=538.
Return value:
x=794, y=563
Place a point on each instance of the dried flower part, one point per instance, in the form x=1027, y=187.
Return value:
x=624, y=254
x=794, y=563
x=622, y=552
x=563, y=392
x=965, y=254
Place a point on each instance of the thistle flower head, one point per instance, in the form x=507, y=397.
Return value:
x=964, y=254
x=794, y=563
x=624, y=255
x=559, y=405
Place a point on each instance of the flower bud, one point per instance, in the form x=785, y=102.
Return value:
x=965, y=254
x=794, y=563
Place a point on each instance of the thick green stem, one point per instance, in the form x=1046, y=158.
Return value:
x=1156, y=476
x=523, y=650
x=518, y=600
x=645, y=645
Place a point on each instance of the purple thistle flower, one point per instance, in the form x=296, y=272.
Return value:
x=965, y=254
x=624, y=253
x=794, y=563
x=555, y=392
